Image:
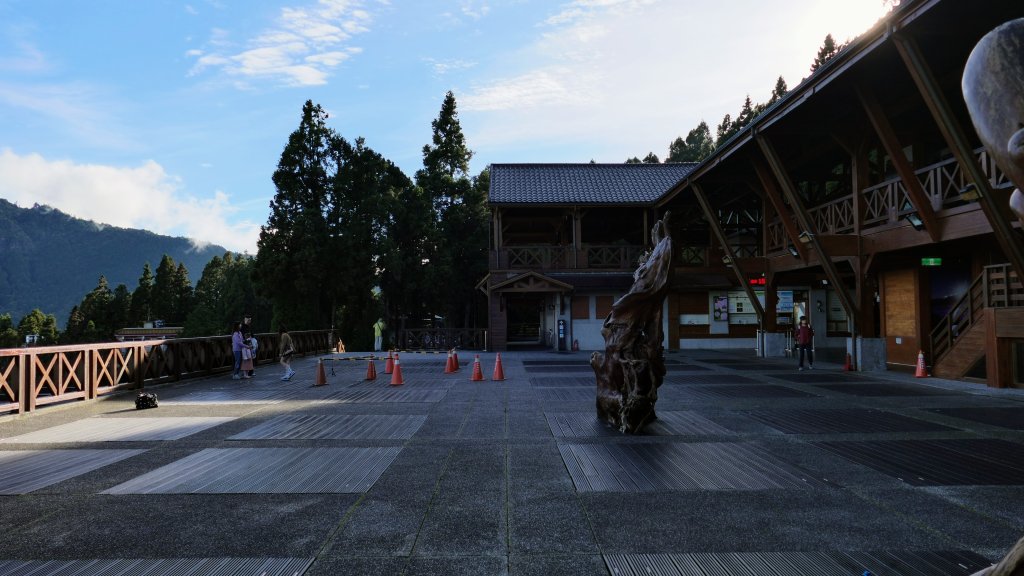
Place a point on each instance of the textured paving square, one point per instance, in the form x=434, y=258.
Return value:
x=385, y=395
x=886, y=389
x=119, y=430
x=583, y=425
x=748, y=391
x=266, y=471
x=889, y=563
x=939, y=462
x=847, y=420
x=247, y=396
x=317, y=427
x=159, y=567
x=696, y=466
x=24, y=471
x=1004, y=417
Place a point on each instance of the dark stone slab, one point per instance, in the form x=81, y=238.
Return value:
x=708, y=379
x=880, y=390
x=748, y=391
x=821, y=377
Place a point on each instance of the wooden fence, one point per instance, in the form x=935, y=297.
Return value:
x=33, y=377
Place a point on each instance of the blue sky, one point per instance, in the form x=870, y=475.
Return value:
x=171, y=115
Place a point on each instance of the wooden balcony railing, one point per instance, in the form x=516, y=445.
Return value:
x=887, y=202
x=620, y=257
x=33, y=377
x=544, y=257
x=996, y=287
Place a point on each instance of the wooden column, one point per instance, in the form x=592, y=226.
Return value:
x=957, y=140
x=804, y=219
x=770, y=190
x=915, y=192
x=716, y=229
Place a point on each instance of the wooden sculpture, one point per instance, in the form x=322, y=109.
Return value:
x=632, y=368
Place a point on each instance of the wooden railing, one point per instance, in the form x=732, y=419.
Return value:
x=442, y=339
x=536, y=257
x=33, y=377
x=996, y=287
x=621, y=257
x=887, y=202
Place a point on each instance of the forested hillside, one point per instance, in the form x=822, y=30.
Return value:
x=49, y=260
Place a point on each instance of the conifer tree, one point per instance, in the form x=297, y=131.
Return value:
x=142, y=298
x=825, y=53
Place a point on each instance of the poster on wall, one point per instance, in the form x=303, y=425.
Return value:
x=784, y=305
x=721, y=308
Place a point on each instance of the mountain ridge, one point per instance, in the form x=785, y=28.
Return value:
x=50, y=260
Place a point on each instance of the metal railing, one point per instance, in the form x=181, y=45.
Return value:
x=33, y=377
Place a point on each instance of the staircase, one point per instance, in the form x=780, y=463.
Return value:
x=958, y=341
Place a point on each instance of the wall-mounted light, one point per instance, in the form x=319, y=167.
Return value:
x=726, y=260
x=792, y=250
x=969, y=193
x=805, y=237
x=915, y=221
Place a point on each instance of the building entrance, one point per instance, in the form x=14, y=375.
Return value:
x=525, y=318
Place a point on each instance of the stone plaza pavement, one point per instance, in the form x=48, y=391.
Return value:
x=752, y=469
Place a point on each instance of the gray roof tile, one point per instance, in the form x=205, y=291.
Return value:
x=584, y=183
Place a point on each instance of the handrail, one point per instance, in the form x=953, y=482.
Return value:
x=37, y=376
x=996, y=287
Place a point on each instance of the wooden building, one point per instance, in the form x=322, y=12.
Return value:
x=862, y=199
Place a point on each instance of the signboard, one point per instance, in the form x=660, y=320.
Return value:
x=784, y=305
x=721, y=309
x=931, y=261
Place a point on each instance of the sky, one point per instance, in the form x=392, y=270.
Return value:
x=171, y=115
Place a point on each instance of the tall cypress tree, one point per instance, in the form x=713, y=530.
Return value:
x=295, y=261
x=142, y=298
x=461, y=215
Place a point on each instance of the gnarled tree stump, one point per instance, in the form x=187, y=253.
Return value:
x=632, y=368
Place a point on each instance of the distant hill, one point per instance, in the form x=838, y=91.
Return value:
x=50, y=260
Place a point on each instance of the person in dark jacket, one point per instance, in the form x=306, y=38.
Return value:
x=805, y=342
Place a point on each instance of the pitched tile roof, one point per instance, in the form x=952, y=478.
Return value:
x=584, y=183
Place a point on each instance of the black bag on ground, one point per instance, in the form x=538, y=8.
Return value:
x=145, y=400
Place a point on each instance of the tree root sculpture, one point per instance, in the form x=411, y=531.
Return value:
x=632, y=368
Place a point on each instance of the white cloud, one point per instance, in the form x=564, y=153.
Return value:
x=143, y=197
x=301, y=49
x=619, y=78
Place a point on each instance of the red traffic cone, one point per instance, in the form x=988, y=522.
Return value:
x=389, y=366
x=478, y=375
x=921, y=371
x=499, y=373
x=455, y=359
x=449, y=366
x=396, y=374
x=849, y=363
x=321, y=376
x=371, y=371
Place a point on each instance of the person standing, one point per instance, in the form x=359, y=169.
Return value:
x=805, y=342
x=247, y=329
x=236, y=348
x=378, y=334
x=247, y=359
x=287, y=350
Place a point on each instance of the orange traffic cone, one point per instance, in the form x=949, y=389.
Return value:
x=321, y=376
x=849, y=363
x=396, y=374
x=499, y=373
x=478, y=375
x=389, y=366
x=455, y=359
x=449, y=366
x=371, y=371
x=921, y=371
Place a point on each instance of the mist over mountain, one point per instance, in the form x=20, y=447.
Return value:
x=50, y=260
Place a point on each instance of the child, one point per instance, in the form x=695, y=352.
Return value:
x=246, y=366
x=805, y=342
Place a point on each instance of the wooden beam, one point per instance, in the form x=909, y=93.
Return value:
x=956, y=139
x=915, y=192
x=804, y=219
x=772, y=193
x=716, y=228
